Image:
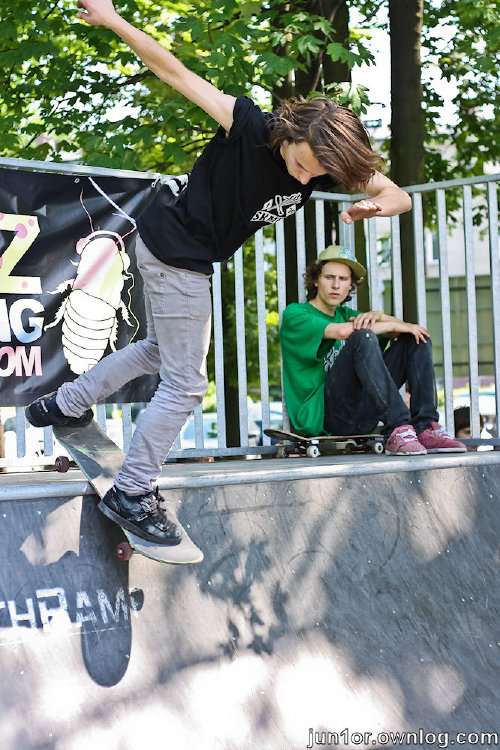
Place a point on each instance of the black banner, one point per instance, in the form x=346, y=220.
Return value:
x=70, y=292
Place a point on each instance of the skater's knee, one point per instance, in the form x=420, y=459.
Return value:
x=201, y=390
x=151, y=355
x=188, y=390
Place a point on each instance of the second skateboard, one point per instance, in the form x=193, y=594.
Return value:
x=312, y=446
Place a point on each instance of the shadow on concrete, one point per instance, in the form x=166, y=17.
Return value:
x=60, y=570
x=359, y=605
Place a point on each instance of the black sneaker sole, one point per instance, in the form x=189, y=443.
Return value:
x=130, y=526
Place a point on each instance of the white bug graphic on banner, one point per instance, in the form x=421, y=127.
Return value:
x=89, y=313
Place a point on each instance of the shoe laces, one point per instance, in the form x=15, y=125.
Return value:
x=442, y=432
x=151, y=504
x=408, y=434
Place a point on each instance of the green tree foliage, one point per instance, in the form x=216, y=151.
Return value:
x=461, y=44
x=463, y=40
x=68, y=88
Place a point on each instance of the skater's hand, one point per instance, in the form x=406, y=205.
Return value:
x=366, y=320
x=363, y=209
x=96, y=12
x=420, y=333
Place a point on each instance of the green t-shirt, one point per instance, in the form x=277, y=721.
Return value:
x=305, y=355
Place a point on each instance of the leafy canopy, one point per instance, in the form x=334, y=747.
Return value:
x=67, y=87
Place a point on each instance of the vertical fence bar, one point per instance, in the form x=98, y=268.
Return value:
x=240, y=345
x=373, y=275
x=445, y=305
x=126, y=425
x=418, y=234
x=418, y=243
x=281, y=269
x=397, y=279
x=101, y=416
x=199, y=437
x=346, y=231
x=300, y=230
x=470, y=288
x=219, y=356
x=48, y=441
x=319, y=215
x=280, y=264
x=20, y=432
x=260, y=283
x=495, y=287
x=346, y=238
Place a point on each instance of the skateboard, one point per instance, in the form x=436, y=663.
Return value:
x=100, y=460
x=310, y=446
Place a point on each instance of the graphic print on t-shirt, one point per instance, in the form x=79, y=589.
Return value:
x=278, y=208
x=332, y=356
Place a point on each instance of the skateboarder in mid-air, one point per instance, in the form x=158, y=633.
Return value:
x=338, y=379
x=258, y=168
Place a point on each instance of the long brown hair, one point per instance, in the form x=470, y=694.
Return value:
x=335, y=134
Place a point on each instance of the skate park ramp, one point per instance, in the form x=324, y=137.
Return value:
x=341, y=602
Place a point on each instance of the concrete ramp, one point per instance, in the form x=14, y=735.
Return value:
x=342, y=602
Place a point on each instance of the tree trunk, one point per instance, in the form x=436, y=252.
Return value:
x=407, y=126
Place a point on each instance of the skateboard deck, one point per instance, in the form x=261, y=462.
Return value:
x=312, y=446
x=100, y=459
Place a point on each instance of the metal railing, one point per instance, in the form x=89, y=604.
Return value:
x=268, y=250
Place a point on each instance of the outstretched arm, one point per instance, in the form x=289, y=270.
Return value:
x=385, y=199
x=161, y=62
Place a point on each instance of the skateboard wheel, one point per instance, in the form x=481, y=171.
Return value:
x=284, y=452
x=378, y=447
x=350, y=446
x=313, y=451
x=62, y=464
x=124, y=551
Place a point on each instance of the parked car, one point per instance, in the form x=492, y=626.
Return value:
x=275, y=420
x=210, y=432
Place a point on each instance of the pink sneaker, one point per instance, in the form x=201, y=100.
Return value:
x=436, y=440
x=403, y=442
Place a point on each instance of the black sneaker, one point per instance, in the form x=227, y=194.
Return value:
x=141, y=515
x=44, y=412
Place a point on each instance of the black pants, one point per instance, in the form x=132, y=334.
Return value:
x=362, y=386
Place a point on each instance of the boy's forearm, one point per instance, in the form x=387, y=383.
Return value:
x=342, y=331
x=386, y=327
x=338, y=331
x=393, y=201
x=158, y=59
x=385, y=318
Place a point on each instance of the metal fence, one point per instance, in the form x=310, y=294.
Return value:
x=261, y=268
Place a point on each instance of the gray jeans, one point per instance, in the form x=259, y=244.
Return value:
x=178, y=314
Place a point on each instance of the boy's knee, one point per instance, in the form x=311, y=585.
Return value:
x=408, y=340
x=201, y=391
x=194, y=388
x=151, y=355
x=363, y=337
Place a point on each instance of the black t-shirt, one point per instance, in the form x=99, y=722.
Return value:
x=236, y=186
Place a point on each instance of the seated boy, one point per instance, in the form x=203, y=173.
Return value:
x=341, y=378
